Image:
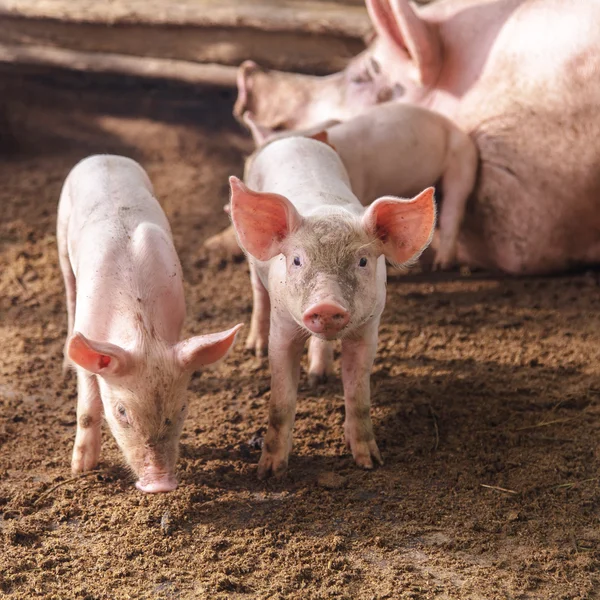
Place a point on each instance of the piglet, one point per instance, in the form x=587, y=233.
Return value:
x=126, y=309
x=318, y=269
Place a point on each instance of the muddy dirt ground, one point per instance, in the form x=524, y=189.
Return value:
x=486, y=405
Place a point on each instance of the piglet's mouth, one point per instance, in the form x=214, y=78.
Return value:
x=157, y=483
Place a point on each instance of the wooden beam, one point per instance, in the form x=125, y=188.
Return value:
x=306, y=16
x=100, y=62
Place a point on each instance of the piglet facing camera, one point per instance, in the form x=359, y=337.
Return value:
x=125, y=313
x=317, y=260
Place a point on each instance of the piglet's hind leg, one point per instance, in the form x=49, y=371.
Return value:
x=320, y=359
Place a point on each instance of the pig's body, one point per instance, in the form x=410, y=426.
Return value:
x=307, y=237
x=521, y=76
x=126, y=309
x=121, y=253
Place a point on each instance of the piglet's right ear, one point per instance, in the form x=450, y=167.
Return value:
x=261, y=220
x=100, y=358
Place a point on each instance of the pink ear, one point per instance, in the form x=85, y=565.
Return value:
x=100, y=358
x=323, y=137
x=205, y=349
x=244, y=86
x=396, y=22
x=404, y=226
x=261, y=220
x=260, y=133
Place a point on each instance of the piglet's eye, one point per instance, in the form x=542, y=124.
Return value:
x=297, y=261
x=362, y=262
x=122, y=414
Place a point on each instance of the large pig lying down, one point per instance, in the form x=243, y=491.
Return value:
x=397, y=149
x=318, y=269
x=521, y=76
x=125, y=312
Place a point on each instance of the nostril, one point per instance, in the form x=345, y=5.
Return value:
x=326, y=317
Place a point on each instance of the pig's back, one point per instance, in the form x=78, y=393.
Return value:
x=108, y=198
x=121, y=250
x=393, y=149
x=307, y=172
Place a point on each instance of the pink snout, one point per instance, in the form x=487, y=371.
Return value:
x=154, y=484
x=327, y=318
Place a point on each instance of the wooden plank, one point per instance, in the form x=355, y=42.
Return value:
x=281, y=50
x=325, y=17
x=312, y=36
x=98, y=62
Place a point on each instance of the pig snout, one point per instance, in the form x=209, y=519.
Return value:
x=154, y=481
x=326, y=318
x=155, y=475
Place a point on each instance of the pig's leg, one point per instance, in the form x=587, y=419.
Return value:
x=358, y=355
x=320, y=360
x=86, y=450
x=70, y=289
x=285, y=352
x=224, y=244
x=458, y=181
x=258, y=338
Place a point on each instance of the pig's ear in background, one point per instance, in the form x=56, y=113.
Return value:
x=244, y=87
x=411, y=38
x=405, y=227
x=260, y=133
x=203, y=350
x=323, y=137
x=100, y=358
x=262, y=221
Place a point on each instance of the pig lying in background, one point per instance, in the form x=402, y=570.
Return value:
x=125, y=312
x=398, y=149
x=521, y=76
x=318, y=268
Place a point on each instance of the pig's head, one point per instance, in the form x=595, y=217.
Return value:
x=144, y=394
x=402, y=63
x=334, y=273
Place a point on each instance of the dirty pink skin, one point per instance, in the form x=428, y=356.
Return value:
x=318, y=269
x=401, y=149
x=520, y=76
x=125, y=312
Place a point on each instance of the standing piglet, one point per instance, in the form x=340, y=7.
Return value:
x=318, y=269
x=125, y=313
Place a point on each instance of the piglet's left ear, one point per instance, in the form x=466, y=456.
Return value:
x=405, y=227
x=203, y=350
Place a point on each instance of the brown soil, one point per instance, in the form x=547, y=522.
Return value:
x=486, y=406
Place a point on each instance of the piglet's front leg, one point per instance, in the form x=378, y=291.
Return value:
x=86, y=450
x=285, y=352
x=358, y=354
